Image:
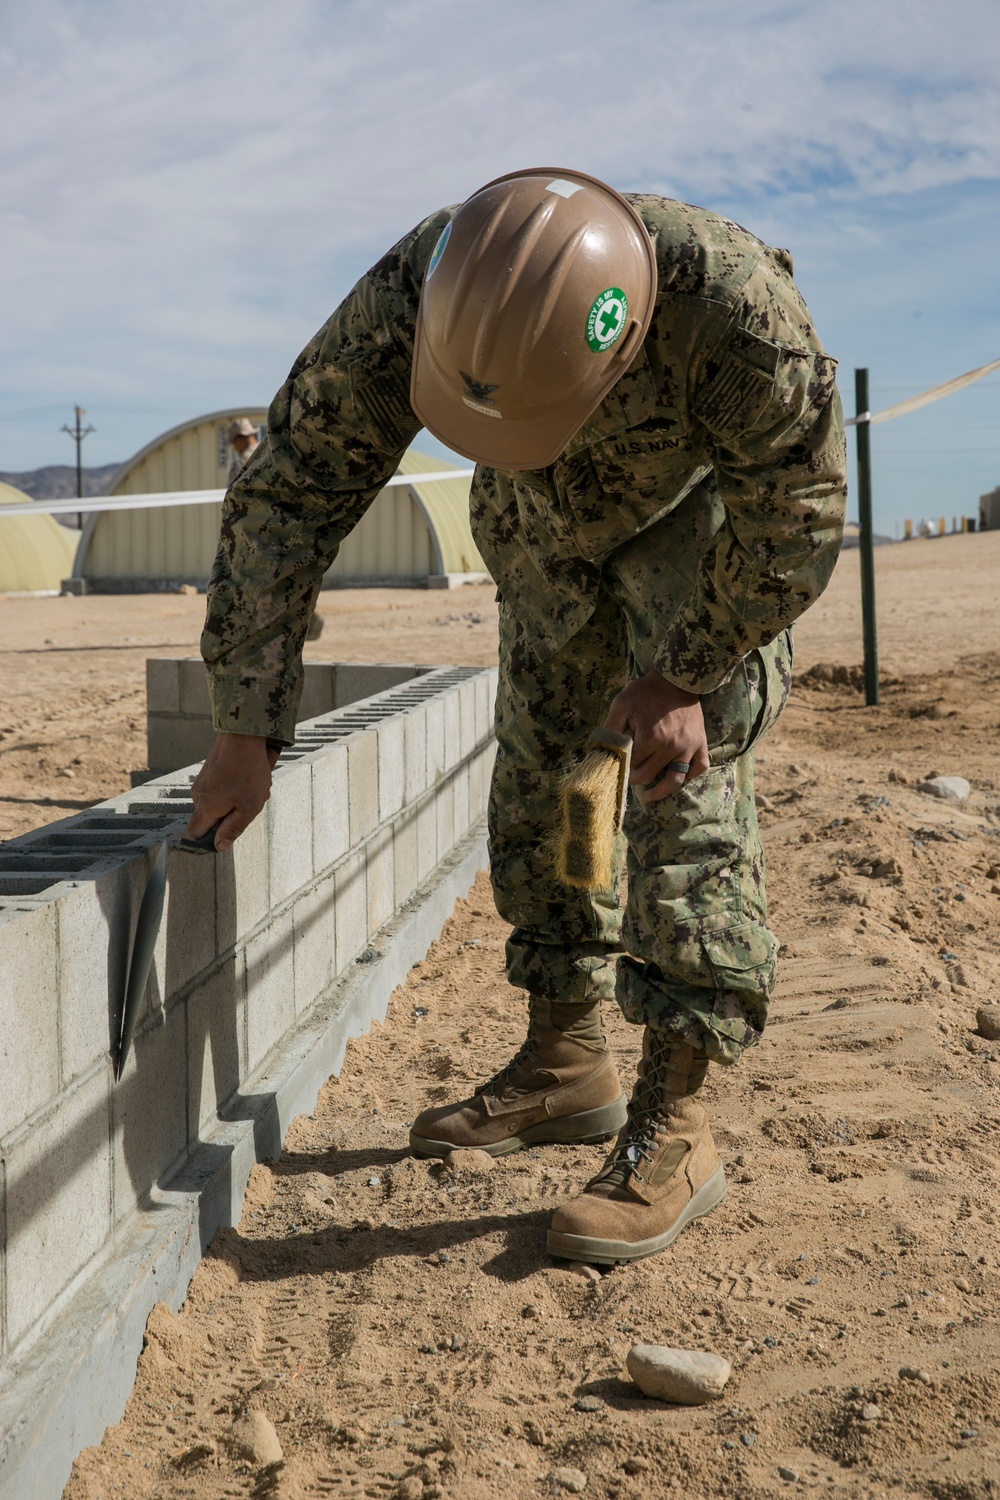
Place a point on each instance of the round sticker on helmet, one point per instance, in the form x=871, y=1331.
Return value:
x=606, y=319
x=439, y=249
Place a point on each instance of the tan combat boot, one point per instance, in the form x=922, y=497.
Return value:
x=562, y=1085
x=663, y=1173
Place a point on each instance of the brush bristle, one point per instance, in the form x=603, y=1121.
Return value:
x=586, y=848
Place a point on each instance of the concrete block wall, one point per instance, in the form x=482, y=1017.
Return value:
x=375, y=820
x=179, y=713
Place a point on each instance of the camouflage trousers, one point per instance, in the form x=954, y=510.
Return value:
x=689, y=940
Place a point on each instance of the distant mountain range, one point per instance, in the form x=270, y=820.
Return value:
x=58, y=481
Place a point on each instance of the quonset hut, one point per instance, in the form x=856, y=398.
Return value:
x=36, y=553
x=411, y=534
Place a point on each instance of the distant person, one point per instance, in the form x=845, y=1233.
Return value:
x=244, y=439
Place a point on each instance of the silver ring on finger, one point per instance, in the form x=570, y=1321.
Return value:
x=681, y=766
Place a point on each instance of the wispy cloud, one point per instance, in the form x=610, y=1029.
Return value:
x=188, y=189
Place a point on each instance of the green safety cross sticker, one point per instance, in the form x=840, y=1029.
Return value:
x=606, y=319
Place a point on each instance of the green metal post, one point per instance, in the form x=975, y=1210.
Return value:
x=865, y=540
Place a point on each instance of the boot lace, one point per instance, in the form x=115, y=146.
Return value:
x=501, y=1082
x=646, y=1113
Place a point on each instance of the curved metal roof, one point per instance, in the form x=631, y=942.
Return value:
x=118, y=485
x=411, y=531
x=445, y=506
x=36, y=553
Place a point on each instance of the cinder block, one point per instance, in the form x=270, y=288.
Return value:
x=242, y=884
x=414, y=753
x=216, y=1044
x=163, y=686
x=331, y=806
x=444, y=807
x=270, y=988
x=391, y=766
x=406, y=865
x=195, y=700
x=29, y=1049
x=149, y=1109
x=290, y=831
x=484, y=707
x=317, y=690
x=426, y=838
x=460, y=787
x=172, y=743
x=93, y=924
x=477, y=784
x=58, y=1199
x=350, y=909
x=186, y=944
x=381, y=879
x=362, y=780
x=467, y=715
x=357, y=680
x=452, y=729
x=315, y=943
x=435, y=740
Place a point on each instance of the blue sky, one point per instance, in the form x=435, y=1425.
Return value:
x=188, y=189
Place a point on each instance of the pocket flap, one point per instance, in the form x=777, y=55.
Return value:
x=745, y=946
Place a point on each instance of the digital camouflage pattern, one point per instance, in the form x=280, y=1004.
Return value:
x=694, y=517
x=701, y=959
x=731, y=381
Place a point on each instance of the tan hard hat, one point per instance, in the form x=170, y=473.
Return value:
x=242, y=427
x=536, y=299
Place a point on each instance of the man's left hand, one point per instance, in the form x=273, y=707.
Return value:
x=666, y=724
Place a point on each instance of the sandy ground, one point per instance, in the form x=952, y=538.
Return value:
x=73, y=713
x=72, y=719
x=403, y=1328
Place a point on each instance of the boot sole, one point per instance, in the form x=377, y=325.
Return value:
x=584, y=1129
x=592, y=1251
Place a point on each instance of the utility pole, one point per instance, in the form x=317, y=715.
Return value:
x=78, y=433
x=865, y=539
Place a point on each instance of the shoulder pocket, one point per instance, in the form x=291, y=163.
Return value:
x=380, y=386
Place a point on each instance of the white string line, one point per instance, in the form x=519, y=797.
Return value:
x=214, y=497
x=181, y=497
x=914, y=403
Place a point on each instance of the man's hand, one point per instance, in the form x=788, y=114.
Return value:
x=231, y=787
x=666, y=724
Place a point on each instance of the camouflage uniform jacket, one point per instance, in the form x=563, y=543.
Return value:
x=731, y=386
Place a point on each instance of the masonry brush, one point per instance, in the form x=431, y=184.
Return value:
x=593, y=807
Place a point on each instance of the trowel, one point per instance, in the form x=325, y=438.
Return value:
x=147, y=928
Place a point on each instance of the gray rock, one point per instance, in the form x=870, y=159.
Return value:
x=252, y=1436
x=870, y=1412
x=790, y=1475
x=683, y=1376
x=988, y=1022
x=748, y=1439
x=589, y=1403
x=947, y=788
x=469, y=1159
x=573, y=1480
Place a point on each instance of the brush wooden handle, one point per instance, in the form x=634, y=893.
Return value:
x=609, y=739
